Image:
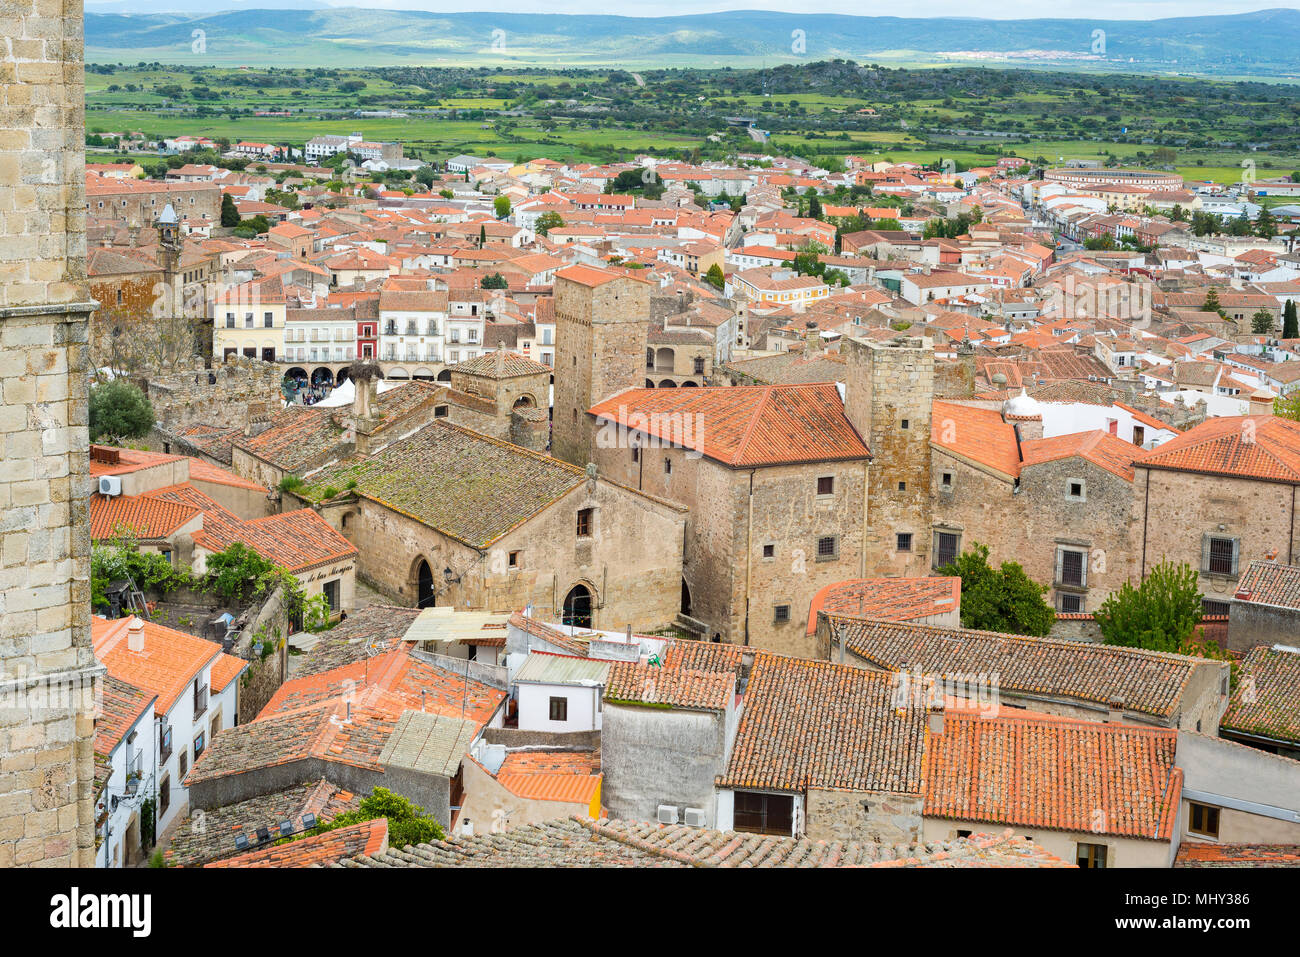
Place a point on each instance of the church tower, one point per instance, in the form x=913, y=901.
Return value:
x=601, y=322
x=48, y=671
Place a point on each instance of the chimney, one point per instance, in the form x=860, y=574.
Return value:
x=934, y=716
x=1115, y=711
x=135, y=635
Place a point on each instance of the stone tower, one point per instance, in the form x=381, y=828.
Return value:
x=889, y=390
x=601, y=321
x=48, y=672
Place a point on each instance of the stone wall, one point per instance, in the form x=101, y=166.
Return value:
x=733, y=516
x=47, y=668
x=878, y=817
x=1172, y=511
x=889, y=390
x=653, y=756
x=187, y=393
x=600, y=340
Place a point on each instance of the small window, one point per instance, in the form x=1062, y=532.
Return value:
x=440, y=411
x=200, y=742
x=1091, y=855
x=668, y=466
x=1076, y=490
x=904, y=541
x=559, y=709
x=1071, y=568
x=946, y=480
x=946, y=547
x=828, y=547
x=781, y=614
x=902, y=486
x=1211, y=607
x=584, y=522
x=636, y=454
x=164, y=794
x=1203, y=819
x=963, y=833
x=182, y=764
x=1071, y=604
x=906, y=424
x=513, y=560
x=769, y=551
x=1220, y=556
x=826, y=485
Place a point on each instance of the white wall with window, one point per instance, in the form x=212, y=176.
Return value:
x=133, y=772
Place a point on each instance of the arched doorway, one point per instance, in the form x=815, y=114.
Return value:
x=686, y=598
x=668, y=384
x=296, y=373
x=322, y=376
x=577, y=607
x=342, y=376
x=689, y=384
x=424, y=596
x=444, y=375
x=524, y=402
x=649, y=383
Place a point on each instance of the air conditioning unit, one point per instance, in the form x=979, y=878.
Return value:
x=695, y=817
x=110, y=485
x=667, y=814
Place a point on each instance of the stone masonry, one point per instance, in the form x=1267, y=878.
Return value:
x=47, y=667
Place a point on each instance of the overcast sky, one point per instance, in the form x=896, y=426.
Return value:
x=1006, y=10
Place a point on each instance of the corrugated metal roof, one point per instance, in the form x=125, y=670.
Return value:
x=562, y=670
x=447, y=624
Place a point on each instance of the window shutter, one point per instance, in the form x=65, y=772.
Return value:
x=1060, y=560
x=1205, y=553
x=1236, y=553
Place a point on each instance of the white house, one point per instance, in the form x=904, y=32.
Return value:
x=195, y=689
x=559, y=692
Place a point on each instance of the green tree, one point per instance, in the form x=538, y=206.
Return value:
x=999, y=599
x=548, y=221
x=407, y=823
x=1261, y=323
x=814, y=207
x=1265, y=224
x=1160, y=614
x=1290, y=327
x=1212, y=304
x=494, y=281
x=715, y=277
x=119, y=411
x=502, y=206
x=229, y=214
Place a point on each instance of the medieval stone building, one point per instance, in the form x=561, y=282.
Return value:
x=47, y=665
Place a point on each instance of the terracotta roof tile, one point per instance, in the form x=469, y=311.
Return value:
x=1150, y=682
x=743, y=426
x=368, y=837
x=887, y=599
x=1270, y=583
x=1098, y=447
x=147, y=518
x=583, y=843
x=631, y=682
x=815, y=724
x=1260, y=447
x=1266, y=702
x=1194, y=854
x=120, y=706
x=976, y=435
x=166, y=664
x=1055, y=774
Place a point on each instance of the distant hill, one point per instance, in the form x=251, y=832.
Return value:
x=1260, y=44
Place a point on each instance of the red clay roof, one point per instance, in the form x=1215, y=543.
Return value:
x=888, y=599
x=368, y=837
x=166, y=665
x=1245, y=446
x=146, y=518
x=1192, y=854
x=743, y=426
x=635, y=683
x=543, y=786
x=1098, y=447
x=1054, y=773
x=977, y=435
